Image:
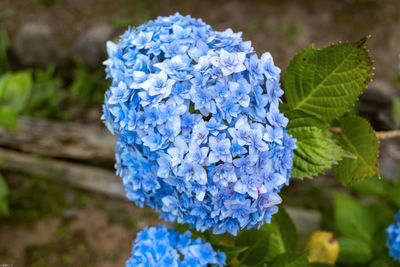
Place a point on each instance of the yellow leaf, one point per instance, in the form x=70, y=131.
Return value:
x=322, y=247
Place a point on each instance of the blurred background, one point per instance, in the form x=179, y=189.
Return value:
x=64, y=206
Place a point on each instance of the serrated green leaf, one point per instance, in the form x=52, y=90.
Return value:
x=357, y=137
x=8, y=118
x=15, y=90
x=326, y=82
x=353, y=250
x=270, y=240
x=353, y=219
x=3, y=197
x=290, y=260
x=316, y=150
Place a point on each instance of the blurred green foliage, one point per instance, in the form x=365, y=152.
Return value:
x=137, y=13
x=47, y=95
x=54, y=98
x=4, y=47
x=396, y=111
x=36, y=198
x=43, y=93
x=291, y=32
x=3, y=197
x=89, y=85
x=361, y=224
x=55, y=95
x=15, y=89
x=252, y=26
x=46, y=2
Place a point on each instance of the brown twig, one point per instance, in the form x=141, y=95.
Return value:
x=83, y=176
x=380, y=135
x=388, y=134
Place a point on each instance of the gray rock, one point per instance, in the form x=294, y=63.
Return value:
x=91, y=45
x=389, y=158
x=388, y=169
x=379, y=92
x=70, y=213
x=36, y=45
x=376, y=104
x=306, y=221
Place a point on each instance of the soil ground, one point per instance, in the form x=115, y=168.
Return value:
x=283, y=27
x=53, y=224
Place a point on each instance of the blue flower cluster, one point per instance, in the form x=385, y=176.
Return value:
x=200, y=135
x=393, y=238
x=162, y=247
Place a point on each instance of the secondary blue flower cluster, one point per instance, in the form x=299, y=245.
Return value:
x=393, y=238
x=200, y=135
x=162, y=247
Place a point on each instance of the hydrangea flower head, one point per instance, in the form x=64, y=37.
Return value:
x=200, y=135
x=393, y=238
x=159, y=246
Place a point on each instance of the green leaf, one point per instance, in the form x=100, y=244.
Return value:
x=384, y=214
x=380, y=238
x=230, y=252
x=8, y=118
x=353, y=219
x=394, y=195
x=372, y=186
x=183, y=227
x=3, y=197
x=393, y=191
x=290, y=260
x=270, y=240
x=353, y=250
x=15, y=90
x=384, y=261
x=357, y=137
x=257, y=243
x=326, y=82
x=316, y=150
x=283, y=234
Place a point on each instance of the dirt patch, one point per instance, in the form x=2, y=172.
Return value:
x=64, y=226
x=282, y=27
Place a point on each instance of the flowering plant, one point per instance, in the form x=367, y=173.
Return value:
x=202, y=138
x=159, y=246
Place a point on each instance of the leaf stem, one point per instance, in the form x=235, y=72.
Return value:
x=380, y=135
